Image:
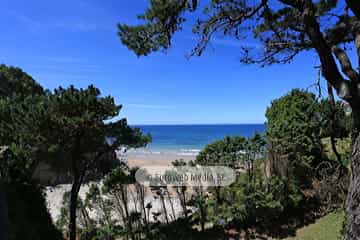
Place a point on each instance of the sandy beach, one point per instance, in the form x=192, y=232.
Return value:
x=138, y=162
x=54, y=195
x=147, y=159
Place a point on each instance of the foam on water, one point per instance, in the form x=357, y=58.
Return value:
x=189, y=140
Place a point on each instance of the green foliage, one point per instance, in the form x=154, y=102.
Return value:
x=117, y=179
x=231, y=151
x=116, y=186
x=55, y=126
x=21, y=115
x=13, y=169
x=225, y=152
x=103, y=226
x=344, y=147
x=27, y=214
x=79, y=129
x=253, y=200
x=101, y=206
x=74, y=131
x=274, y=25
x=235, y=152
x=165, y=17
x=71, y=129
x=334, y=122
x=180, y=229
x=293, y=135
x=261, y=207
x=107, y=233
x=266, y=203
x=63, y=220
x=81, y=137
x=15, y=82
x=256, y=203
x=21, y=121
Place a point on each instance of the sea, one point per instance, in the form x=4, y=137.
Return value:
x=189, y=140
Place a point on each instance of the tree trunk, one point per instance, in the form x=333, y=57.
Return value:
x=3, y=214
x=182, y=197
x=141, y=194
x=202, y=217
x=124, y=198
x=73, y=206
x=119, y=207
x=332, y=123
x=334, y=149
x=352, y=225
x=164, y=208
x=172, y=206
x=148, y=215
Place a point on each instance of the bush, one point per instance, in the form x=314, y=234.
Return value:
x=293, y=135
x=28, y=215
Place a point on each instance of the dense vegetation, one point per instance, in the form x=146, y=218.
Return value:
x=69, y=129
x=22, y=201
x=277, y=190
x=285, y=179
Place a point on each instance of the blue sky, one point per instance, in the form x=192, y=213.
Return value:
x=74, y=42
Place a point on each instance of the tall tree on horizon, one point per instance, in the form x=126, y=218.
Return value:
x=285, y=28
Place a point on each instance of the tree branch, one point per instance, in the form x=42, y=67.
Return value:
x=329, y=68
x=355, y=28
x=312, y=28
x=354, y=6
x=298, y=4
x=345, y=63
x=226, y=19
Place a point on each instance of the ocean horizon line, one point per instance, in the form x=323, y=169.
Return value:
x=187, y=137
x=194, y=124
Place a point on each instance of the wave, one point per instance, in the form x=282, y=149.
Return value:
x=180, y=152
x=190, y=150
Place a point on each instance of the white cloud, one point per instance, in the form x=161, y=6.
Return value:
x=35, y=25
x=80, y=26
x=228, y=42
x=235, y=43
x=148, y=106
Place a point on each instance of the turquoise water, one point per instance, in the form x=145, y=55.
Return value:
x=190, y=139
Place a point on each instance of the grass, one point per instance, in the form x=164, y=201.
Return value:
x=326, y=228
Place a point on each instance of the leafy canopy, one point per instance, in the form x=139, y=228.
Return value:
x=293, y=134
x=81, y=123
x=227, y=152
x=13, y=81
x=21, y=116
x=67, y=126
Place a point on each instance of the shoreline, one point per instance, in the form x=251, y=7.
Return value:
x=149, y=159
